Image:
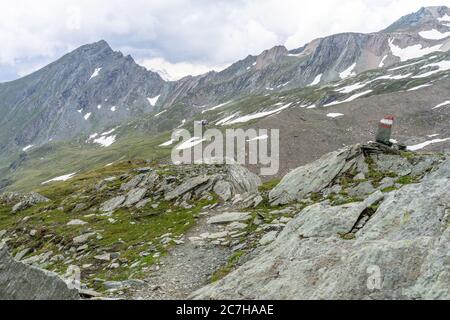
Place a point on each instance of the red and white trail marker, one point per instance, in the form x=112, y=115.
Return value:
x=385, y=130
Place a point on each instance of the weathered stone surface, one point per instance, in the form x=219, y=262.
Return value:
x=400, y=251
x=28, y=200
x=361, y=189
x=82, y=238
x=187, y=186
x=133, y=183
x=134, y=196
x=21, y=282
x=268, y=238
x=229, y=217
x=112, y=204
x=313, y=177
x=76, y=222
x=392, y=163
x=242, y=180
x=223, y=190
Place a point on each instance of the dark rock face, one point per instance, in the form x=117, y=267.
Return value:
x=19, y=281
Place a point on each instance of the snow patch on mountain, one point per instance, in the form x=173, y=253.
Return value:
x=425, y=144
x=348, y=72
x=96, y=73
x=316, y=80
x=352, y=87
x=28, y=148
x=353, y=97
x=381, y=65
x=216, y=107
x=443, y=104
x=254, y=116
x=441, y=66
x=61, y=178
x=411, y=52
x=190, y=143
x=160, y=113
x=105, y=141
x=420, y=87
x=334, y=115
x=153, y=100
x=434, y=34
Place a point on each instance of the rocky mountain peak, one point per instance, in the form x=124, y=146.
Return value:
x=270, y=56
x=423, y=19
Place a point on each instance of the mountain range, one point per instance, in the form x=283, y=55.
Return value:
x=95, y=89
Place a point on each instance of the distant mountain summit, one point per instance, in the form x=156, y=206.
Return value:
x=428, y=17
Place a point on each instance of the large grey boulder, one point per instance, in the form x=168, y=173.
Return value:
x=134, y=196
x=112, y=204
x=314, y=177
x=242, y=180
x=186, y=186
x=19, y=281
x=400, y=251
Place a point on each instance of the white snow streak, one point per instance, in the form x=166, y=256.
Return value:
x=61, y=178
x=426, y=143
x=443, y=104
x=411, y=52
x=96, y=73
x=348, y=72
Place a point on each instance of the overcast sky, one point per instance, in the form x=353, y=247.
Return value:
x=181, y=36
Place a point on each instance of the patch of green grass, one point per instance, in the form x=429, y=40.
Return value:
x=269, y=185
x=406, y=180
x=389, y=189
x=339, y=202
x=225, y=270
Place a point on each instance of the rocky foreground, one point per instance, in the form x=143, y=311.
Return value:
x=364, y=222
x=392, y=242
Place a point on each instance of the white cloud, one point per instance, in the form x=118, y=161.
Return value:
x=175, y=71
x=184, y=34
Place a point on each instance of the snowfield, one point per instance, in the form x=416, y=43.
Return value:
x=316, y=80
x=434, y=34
x=153, y=101
x=354, y=97
x=61, y=178
x=105, y=141
x=348, y=72
x=411, y=52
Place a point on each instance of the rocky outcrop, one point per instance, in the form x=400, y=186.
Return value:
x=19, y=281
x=22, y=201
x=394, y=244
x=229, y=182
